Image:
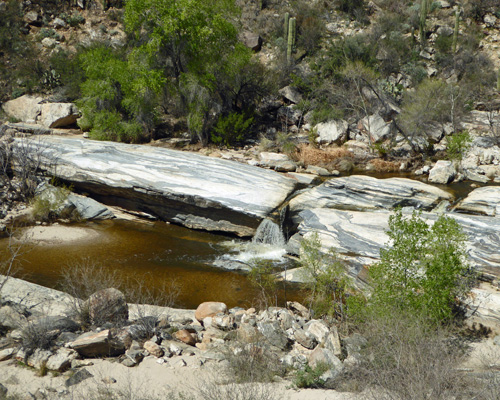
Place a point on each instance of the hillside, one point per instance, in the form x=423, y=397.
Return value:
x=398, y=80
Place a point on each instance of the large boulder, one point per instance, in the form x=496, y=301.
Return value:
x=374, y=128
x=107, y=305
x=101, y=344
x=332, y=132
x=185, y=188
x=209, y=309
x=26, y=108
x=89, y=208
x=484, y=200
x=359, y=236
x=251, y=40
x=360, y=193
x=56, y=115
x=443, y=172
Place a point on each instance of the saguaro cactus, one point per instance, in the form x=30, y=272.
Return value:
x=291, y=39
x=455, y=31
x=285, y=27
x=423, y=17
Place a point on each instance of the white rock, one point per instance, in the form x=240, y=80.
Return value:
x=443, y=172
x=56, y=115
x=25, y=108
x=332, y=132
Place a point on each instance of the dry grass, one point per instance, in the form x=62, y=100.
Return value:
x=308, y=155
x=406, y=358
x=385, y=166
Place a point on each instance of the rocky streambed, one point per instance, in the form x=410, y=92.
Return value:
x=349, y=213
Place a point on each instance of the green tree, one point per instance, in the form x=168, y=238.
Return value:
x=118, y=95
x=327, y=280
x=424, y=271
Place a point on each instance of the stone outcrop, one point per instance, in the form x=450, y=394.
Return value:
x=365, y=193
x=189, y=189
x=332, y=132
x=32, y=109
x=443, y=172
x=484, y=200
x=26, y=108
x=56, y=115
x=107, y=305
x=209, y=309
x=359, y=236
x=101, y=344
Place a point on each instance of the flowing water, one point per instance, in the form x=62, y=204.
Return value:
x=154, y=253
x=157, y=254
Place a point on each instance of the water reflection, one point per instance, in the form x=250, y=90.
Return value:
x=154, y=253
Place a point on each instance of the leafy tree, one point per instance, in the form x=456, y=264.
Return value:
x=328, y=282
x=458, y=144
x=433, y=103
x=183, y=53
x=118, y=95
x=425, y=269
x=232, y=128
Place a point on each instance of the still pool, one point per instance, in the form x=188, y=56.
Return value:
x=155, y=254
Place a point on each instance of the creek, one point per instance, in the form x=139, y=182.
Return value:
x=156, y=254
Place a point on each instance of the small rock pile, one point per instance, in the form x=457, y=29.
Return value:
x=211, y=333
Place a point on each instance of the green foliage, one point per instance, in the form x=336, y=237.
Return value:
x=232, y=128
x=458, y=144
x=118, y=96
x=424, y=271
x=262, y=276
x=327, y=279
x=434, y=102
x=48, y=33
x=355, y=8
x=310, y=377
x=48, y=205
x=74, y=19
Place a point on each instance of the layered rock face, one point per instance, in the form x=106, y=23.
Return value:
x=365, y=193
x=189, y=189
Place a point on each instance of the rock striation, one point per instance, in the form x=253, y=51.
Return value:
x=359, y=236
x=365, y=193
x=484, y=200
x=188, y=189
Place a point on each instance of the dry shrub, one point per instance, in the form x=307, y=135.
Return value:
x=308, y=155
x=234, y=391
x=408, y=358
x=253, y=362
x=85, y=277
x=385, y=166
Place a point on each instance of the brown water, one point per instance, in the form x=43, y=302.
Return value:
x=154, y=253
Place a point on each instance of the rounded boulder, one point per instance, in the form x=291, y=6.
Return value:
x=209, y=309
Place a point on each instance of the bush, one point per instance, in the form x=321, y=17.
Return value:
x=232, y=128
x=252, y=362
x=458, y=144
x=262, y=277
x=50, y=205
x=327, y=280
x=433, y=103
x=426, y=269
x=355, y=8
x=405, y=357
x=310, y=377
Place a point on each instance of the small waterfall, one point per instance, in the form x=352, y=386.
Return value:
x=268, y=243
x=270, y=233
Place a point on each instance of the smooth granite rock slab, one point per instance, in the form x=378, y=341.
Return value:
x=484, y=200
x=365, y=193
x=359, y=236
x=188, y=189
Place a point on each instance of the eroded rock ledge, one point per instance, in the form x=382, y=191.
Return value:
x=189, y=189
